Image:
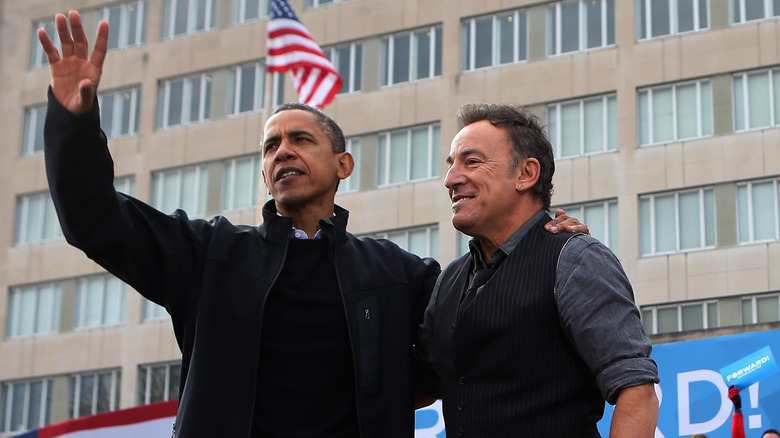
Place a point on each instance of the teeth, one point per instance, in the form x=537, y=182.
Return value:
x=291, y=172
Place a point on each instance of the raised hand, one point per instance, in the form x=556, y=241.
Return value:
x=74, y=77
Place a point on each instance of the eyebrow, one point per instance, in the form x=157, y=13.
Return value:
x=295, y=133
x=465, y=153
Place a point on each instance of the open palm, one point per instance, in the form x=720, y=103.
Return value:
x=74, y=76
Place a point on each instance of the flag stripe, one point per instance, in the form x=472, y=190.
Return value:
x=292, y=48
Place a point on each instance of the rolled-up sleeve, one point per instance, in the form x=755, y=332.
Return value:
x=598, y=313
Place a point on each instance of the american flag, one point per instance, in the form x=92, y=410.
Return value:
x=291, y=47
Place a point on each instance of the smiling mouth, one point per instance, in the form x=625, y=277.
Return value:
x=285, y=173
x=457, y=199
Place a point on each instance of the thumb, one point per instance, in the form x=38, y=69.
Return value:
x=87, y=93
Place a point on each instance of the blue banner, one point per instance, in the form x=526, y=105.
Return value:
x=693, y=393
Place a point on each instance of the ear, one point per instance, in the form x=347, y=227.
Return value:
x=527, y=174
x=345, y=166
x=265, y=181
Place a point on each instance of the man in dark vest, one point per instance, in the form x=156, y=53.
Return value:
x=530, y=332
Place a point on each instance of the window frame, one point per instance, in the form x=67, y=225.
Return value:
x=7, y=388
x=239, y=9
x=608, y=128
x=146, y=381
x=702, y=192
x=352, y=81
x=50, y=321
x=742, y=106
x=169, y=16
x=644, y=21
x=384, y=163
x=431, y=238
x=74, y=393
x=32, y=139
x=387, y=56
x=201, y=199
x=117, y=116
x=739, y=17
x=229, y=183
x=352, y=183
x=205, y=98
x=47, y=218
x=468, y=30
x=610, y=236
x=701, y=100
x=83, y=299
x=751, y=214
x=555, y=27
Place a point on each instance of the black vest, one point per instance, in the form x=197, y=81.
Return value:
x=507, y=367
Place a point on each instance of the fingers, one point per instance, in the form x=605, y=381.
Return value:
x=101, y=45
x=66, y=42
x=79, y=40
x=52, y=54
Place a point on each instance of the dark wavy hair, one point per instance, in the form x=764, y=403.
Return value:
x=331, y=128
x=527, y=135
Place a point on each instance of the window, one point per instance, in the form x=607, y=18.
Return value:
x=186, y=17
x=119, y=112
x=36, y=220
x=248, y=10
x=100, y=302
x=25, y=405
x=757, y=100
x=748, y=10
x=683, y=317
x=240, y=183
x=579, y=25
x=158, y=382
x=33, y=310
x=760, y=309
x=421, y=241
x=184, y=101
x=184, y=188
x=410, y=56
x=670, y=17
x=127, y=23
x=347, y=59
x=494, y=40
x=93, y=393
x=583, y=127
x=408, y=155
x=677, y=221
x=758, y=210
x=246, y=88
x=318, y=3
x=674, y=113
x=601, y=217
x=125, y=185
x=154, y=312
x=37, y=55
x=352, y=184
x=33, y=130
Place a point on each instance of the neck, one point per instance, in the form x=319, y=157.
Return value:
x=498, y=234
x=306, y=218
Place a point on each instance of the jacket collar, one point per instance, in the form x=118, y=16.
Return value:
x=276, y=229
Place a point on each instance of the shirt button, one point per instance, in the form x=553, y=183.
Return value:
x=461, y=432
x=461, y=406
x=462, y=380
x=298, y=234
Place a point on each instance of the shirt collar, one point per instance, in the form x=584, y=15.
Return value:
x=505, y=248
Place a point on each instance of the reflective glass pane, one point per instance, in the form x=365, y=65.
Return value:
x=687, y=104
x=422, y=54
x=399, y=156
x=659, y=15
x=418, y=242
x=401, y=58
x=419, y=159
x=570, y=129
x=665, y=226
x=690, y=220
x=692, y=317
x=593, y=13
x=663, y=112
x=483, y=46
x=768, y=309
x=667, y=320
x=764, y=210
x=743, y=214
x=506, y=38
x=758, y=99
x=570, y=26
x=739, y=103
x=594, y=125
x=685, y=15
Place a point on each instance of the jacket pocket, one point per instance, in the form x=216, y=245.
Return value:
x=368, y=339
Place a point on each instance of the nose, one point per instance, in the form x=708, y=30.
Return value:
x=284, y=151
x=453, y=178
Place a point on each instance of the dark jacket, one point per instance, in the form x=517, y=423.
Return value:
x=213, y=277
